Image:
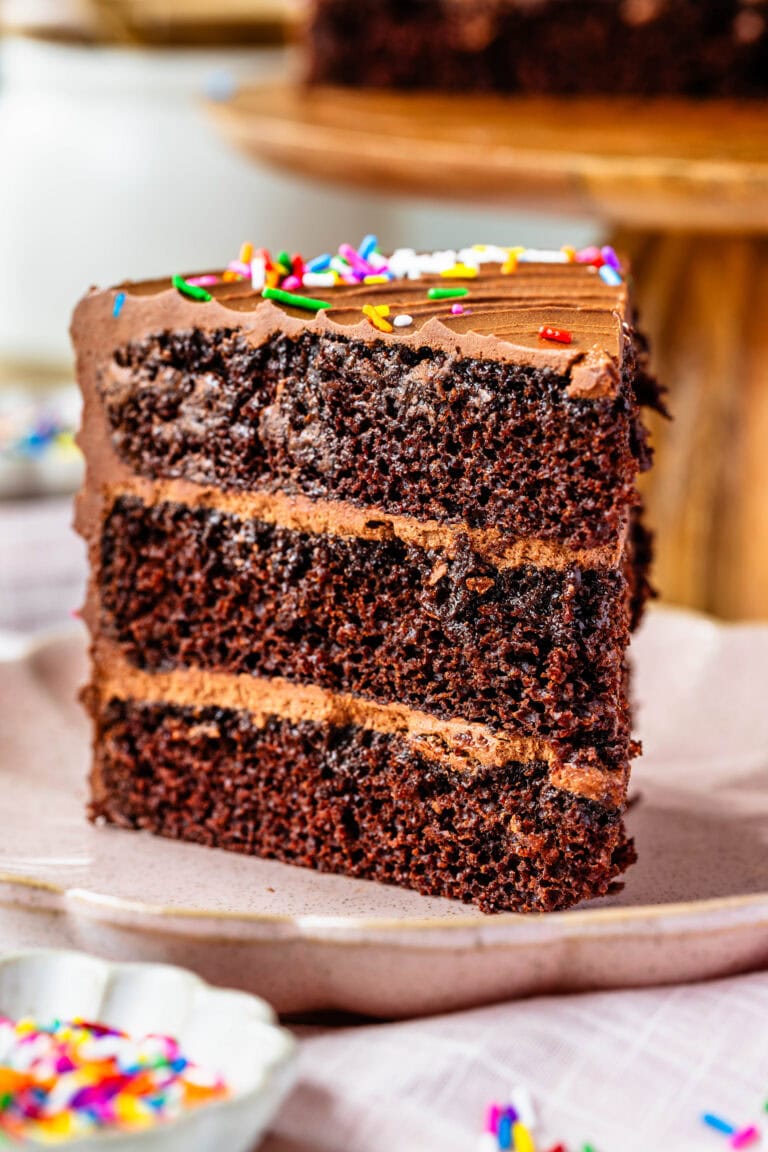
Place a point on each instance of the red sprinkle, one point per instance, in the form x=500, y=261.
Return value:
x=559, y=335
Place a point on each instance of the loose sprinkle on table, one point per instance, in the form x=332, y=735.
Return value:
x=294, y=301
x=558, y=335
x=117, y=307
x=718, y=1124
x=194, y=291
x=61, y=1080
x=746, y=1137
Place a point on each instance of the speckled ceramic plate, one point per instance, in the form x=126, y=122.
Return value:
x=695, y=906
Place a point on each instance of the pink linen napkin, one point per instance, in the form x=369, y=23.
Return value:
x=618, y=1071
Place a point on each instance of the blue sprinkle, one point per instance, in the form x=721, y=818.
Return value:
x=178, y=1065
x=319, y=264
x=504, y=1135
x=718, y=1124
x=610, y=275
x=369, y=245
x=118, y=305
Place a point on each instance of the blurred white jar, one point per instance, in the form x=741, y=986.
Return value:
x=110, y=168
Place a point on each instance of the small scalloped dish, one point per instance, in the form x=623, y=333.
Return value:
x=231, y=1033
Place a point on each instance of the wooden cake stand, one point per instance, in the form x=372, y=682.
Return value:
x=684, y=189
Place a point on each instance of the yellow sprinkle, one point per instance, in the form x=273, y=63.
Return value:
x=460, y=271
x=246, y=253
x=272, y=278
x=54, y=1129
x=479, y=247
x=510, y=264
x=382, y=309
x=569, y=252
x=376, y=317
x=132, y=1112
x=523, y=1140
x=230, y=276
x=375, y=280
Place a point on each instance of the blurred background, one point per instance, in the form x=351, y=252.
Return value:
x=113, y=168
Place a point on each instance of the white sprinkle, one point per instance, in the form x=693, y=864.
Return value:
x=258, y=273
x=318, y=280
x=489, y=254
x=542, y=256
x=522, y=1102
x=403, y=320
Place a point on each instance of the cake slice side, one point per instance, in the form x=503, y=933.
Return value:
x=265, y=594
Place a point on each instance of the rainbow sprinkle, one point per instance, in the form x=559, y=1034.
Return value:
x=446, y=293
x=61, y=1080
x=194, y=291
x=294, y=301
x=377, y=314
x=285, y=278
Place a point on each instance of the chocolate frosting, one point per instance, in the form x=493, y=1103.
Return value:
x=504, y=313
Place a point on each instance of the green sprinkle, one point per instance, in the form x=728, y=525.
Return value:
x=305, y=302
x=285, y=259
x=447, y=293
x=192, y=290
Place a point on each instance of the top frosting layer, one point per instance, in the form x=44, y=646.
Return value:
x=503, y=299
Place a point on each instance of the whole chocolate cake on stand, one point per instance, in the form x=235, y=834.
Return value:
x=698, y=48
x=366, y=552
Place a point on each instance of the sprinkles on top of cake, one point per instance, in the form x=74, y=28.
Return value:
x=285, y=278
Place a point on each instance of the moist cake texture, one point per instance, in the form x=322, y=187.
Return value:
x=698, y=48
x=366, y=550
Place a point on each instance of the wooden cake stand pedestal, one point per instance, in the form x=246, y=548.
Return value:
x=683, y=187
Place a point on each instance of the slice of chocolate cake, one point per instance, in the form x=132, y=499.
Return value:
x=366, y=552
x=692, y=48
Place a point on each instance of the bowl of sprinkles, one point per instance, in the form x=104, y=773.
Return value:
x=133, y=1057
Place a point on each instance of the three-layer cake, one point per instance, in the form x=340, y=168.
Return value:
x=365, y=551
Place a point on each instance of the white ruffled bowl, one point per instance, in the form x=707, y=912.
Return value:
x=228, y=1032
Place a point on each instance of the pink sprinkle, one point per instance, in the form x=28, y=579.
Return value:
x=240, y=268
x=290, y=284
x=355, y=260
x=745, y=1138
x=492, y=1117
x=591, y=255
x=203, y=281
x=457, y=309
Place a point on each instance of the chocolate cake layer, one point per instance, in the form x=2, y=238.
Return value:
x=680, y=47
x=382, y=425
x=526, y=648
x=354, y=801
